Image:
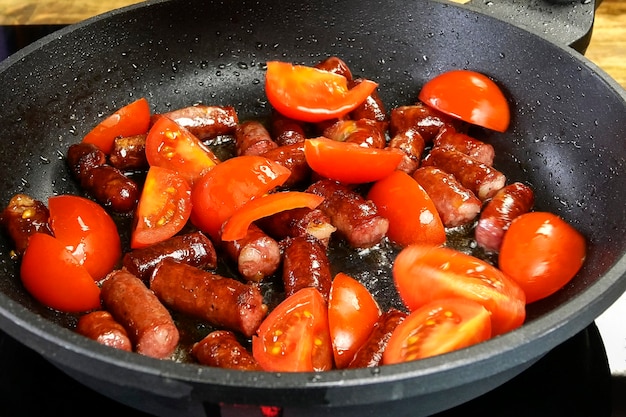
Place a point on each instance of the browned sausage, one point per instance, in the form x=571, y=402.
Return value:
x=298, y=222
x=291, y=157
x=511, y=201
x=111, y=188
x=221, y=349
x=102, y=327
x=23, y=217
x=448, y=138
x=286, y=131
x=129, y=153
x=192, y=248
x=371, y=352
x=363, y=132
x=223, y=302
x=83, y=157
x=335, y=65
x=481, y=179
x=372, y=108
x=206, y=122
x=252, y=138
x=305, y=264
x=257, y=255
x=355, y=218
x=148, y=323
x=425, y=120
x=455, y=204
x=412, y=144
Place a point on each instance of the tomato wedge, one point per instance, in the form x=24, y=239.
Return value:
x=52, y=275
x=171, y=146
x=237, y=225
x=87, y=231
x=412, y=215
x=542, y=253
x=132, y=119
x=164, y=207
x=348, y=162
x=352, y=314
x=310, y=94
x=230, y=185
x=469, y=96
x=438, y=327
x=294, y=337
x=424, y=273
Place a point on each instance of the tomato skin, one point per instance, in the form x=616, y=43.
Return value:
x=310, y=94
x=348, y=162
x=171, y=146
x=52, y=275
x=438, y=327
x=352, y=314
x=87, y=231
x=424, y=273
x=132, y=119
x=164, y=207
x=469, y=96
x=542, y=253
x=295, y=337
x=228, y=186
x=412, y=215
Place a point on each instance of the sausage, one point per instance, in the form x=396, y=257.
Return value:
x=427, y=121
x=102, y=327
x=355, y=218
x=481, y=179
x=298, y=222
x=363, y=132
x=23, y=217
x=221, y=349
x=335, y=65
x=412, y=144
x=257, y=255
x=372, y=108
x=129, y=153
x=111, y=188
x=305, y=264
x=252, y=138
x=291, y=157
x=193, y=248
x=455, y=204
x=147, y=322
x=370, y=354
x=511, y=201
x=286, y=131
x=223, y=302
x=83, y=157
x=206, y=122
x=448, y=139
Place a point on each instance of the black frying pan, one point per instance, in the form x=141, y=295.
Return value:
x=566, y=139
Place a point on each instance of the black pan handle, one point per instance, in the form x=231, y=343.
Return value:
x=563, y=22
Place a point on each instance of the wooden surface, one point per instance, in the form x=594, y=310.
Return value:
x=607, y=48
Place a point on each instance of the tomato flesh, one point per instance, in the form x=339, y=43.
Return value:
x=295, y=337
x=310, y=94
x=438, y=327
x=470, y=96
x=424, y=273
x=542, y=253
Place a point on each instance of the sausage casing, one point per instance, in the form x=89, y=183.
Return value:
x=102, y=327
x=305, y=264
x=371, y=352
x=257, y=255
x=24, y=216
x=221, y=349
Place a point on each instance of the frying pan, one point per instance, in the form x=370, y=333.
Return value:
x=566, y=139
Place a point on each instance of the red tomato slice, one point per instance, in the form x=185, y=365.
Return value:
x=228, y=186
x=310, y=94
x=425, y=273
x=53, y=276
x=412, y=215
x=294, y=337
x=87, y=231
x=469, y=96
x=348, y=162
x=132, y=119
x=438, y=327
x=171, y=146
x=237, y=225
x=352, y=314
x=164, y=207
x=542, y=253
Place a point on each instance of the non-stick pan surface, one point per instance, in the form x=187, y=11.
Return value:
x=566, y=139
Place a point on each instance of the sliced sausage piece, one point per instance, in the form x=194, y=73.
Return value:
x=286, y=131
x=83, y=157
x=305, y=264
x=412, y=144
x=291, y=157
x=425, y=120
x=335, y=65
x=221, y=349
x=511, y=201
x=223, y=302
x=370, y=354
x=455, y=204
x=257, y=255
x=102, y=327
x=147, y=322
x=129, y=153
x=448, y=138
x=372, y=108
x=206, y=122
x=111, y=188
x=252, y=138
x=298, y=222
x=355, y=218
x=193, y=248
x=363, y=132
x=23, y=217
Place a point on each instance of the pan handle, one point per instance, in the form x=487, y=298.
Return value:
x=563, y=22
